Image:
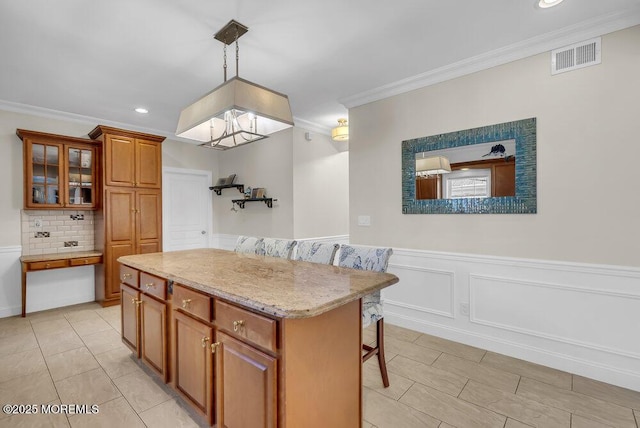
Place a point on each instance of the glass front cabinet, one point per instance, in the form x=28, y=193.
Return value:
x=59, y=171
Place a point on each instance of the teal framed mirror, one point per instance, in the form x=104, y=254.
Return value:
x=522, y=196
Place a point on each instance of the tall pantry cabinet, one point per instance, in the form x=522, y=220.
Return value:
x=130, y=221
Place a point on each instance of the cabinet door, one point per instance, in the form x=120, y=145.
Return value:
x=194, y=363
x=153, y=330
x=148, y=164
x=120, y=215
x=119, y=162
x=43, y=170
x=149, y=220
x=130, y=325
x=504, y=180
x=81, y=188
x=246, y=385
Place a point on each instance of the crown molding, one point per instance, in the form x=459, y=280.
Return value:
x=312, y=126
x=545, y=42
x=79, y=118
x=93, y=121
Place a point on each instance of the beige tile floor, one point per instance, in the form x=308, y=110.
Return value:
x=74, y=355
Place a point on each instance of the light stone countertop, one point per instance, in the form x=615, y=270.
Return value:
x=274, y=286
x=59, y=256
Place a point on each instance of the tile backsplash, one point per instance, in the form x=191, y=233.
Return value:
x=56, y=231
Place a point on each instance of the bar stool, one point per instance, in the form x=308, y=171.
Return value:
x=281, y=248
x=316, y=252
x=377, y=260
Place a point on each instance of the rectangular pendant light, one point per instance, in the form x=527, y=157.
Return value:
x=237, y=112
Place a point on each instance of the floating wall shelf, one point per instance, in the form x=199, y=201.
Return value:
x=218, y=189
x=240, y=202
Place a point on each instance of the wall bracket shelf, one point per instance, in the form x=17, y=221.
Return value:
x=218, y=189
x=240, y=202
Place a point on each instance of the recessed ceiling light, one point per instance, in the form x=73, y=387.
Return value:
x=142, y=110
x=548, y=3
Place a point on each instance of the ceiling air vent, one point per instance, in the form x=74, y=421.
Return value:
x=578, y=55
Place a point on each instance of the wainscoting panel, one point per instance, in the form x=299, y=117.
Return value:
x=576, y=315
x=422, y=290
x=581, y=318
x=10, y=281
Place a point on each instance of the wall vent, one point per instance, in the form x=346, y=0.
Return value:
x=578, y=55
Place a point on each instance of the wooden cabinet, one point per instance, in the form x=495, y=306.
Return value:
x=246, y=385
x=153, y=335
x=130, y=319
x=145, y=321
x=131, y=161
x=504, y=179
x=193, y=376
x=59, y=171
x=131, y=221
x=133, y=225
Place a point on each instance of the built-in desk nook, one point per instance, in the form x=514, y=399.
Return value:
x=54, y=261
x=251, y=341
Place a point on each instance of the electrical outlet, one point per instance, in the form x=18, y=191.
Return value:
x=464, y=308
x=37, y=223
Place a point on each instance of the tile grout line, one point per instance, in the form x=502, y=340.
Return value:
x=49, y=371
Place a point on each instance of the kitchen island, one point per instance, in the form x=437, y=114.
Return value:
x=251, y=341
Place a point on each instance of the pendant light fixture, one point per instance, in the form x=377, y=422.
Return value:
x=238, y=111
x=432, y=166
x=340, y=132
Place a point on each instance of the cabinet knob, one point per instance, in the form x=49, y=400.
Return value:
x=204, y=341
x=149, y=285
x=185, y=302
x=47, y=265
x=214, y=346
x=125, y=276
x=86, y=262
x=237, y=325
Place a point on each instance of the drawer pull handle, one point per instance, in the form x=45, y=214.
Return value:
x=149, y=285
x=47, y=265
x=214, y=346
x=136, y=302
x=86, y=262
x=125, y=276
x=204, y=341
x=237, y=325
x=185, y=303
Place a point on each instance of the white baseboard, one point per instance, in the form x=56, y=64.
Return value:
x=570, y=316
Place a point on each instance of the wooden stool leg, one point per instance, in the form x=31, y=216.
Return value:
x=380, y=345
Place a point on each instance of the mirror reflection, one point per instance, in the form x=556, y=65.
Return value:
x=475, y=171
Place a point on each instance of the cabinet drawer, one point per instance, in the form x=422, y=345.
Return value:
x=129, y=276
x=86, y=261
x=52, y=264
x=247, y=325
x=192, y=302
x=153, y=285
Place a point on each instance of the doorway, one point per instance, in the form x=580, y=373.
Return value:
x=186, y=209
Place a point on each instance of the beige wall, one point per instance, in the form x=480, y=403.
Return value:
x=266, y=163
x=320, y=186
x=588, y=154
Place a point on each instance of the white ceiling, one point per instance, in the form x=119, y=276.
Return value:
x=101, y=59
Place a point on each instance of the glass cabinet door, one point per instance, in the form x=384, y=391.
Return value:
x=80, y=176
x=45, y=175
